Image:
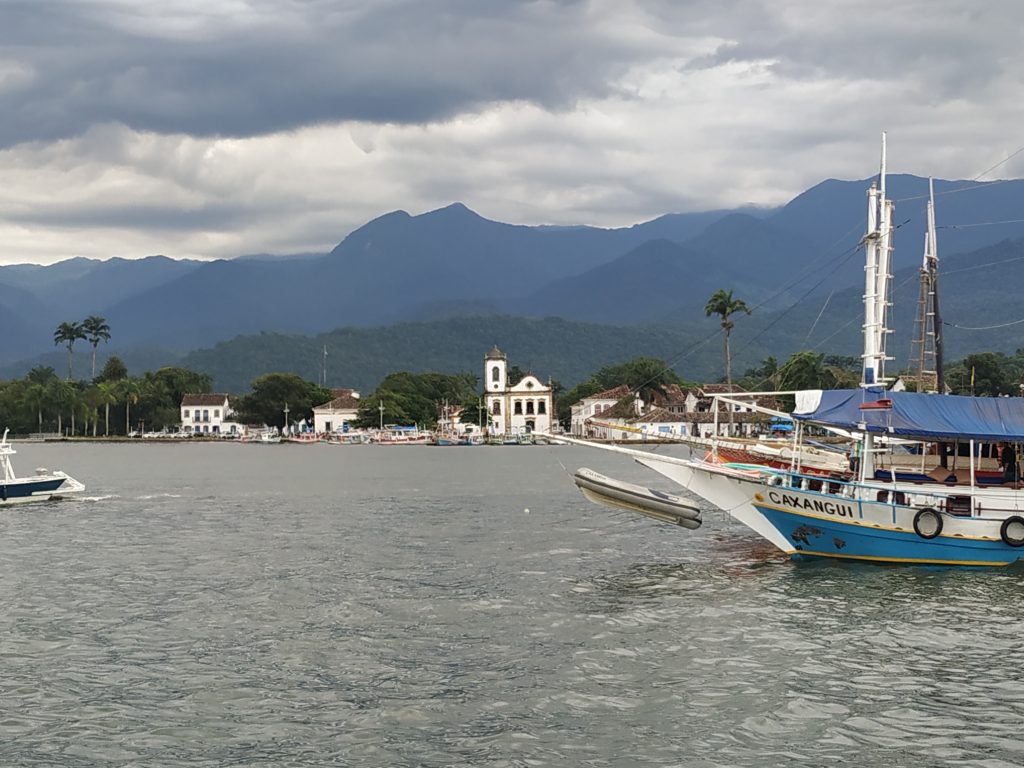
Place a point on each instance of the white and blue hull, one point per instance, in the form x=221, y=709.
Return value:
x=43, y=488
x=819, y=525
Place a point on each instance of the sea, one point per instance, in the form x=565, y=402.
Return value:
x=315, y=605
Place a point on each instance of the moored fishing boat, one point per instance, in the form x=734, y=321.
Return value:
x=44, y=485
x=883, y=512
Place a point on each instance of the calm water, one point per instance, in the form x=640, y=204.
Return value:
x=211, y=605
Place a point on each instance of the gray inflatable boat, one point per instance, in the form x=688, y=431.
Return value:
x=661, y=506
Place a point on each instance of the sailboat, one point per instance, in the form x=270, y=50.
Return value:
x=938, y=517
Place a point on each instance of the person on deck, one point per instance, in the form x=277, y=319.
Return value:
x=855, y=454
x=1008, y=460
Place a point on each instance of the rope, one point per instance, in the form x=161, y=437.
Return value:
x=984, y=327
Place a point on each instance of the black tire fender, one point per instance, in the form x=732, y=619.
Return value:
x=1007, y=536
x=928, y=523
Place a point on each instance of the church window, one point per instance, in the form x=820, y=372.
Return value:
x=518, y=408
x=495, y=373
x=496, y=408
x=529, y=407
x=542, y=407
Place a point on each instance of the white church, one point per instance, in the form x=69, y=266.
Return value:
x=527, y=406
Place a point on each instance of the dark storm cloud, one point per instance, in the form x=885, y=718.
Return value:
x=175, y=67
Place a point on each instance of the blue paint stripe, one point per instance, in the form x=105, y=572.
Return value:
x=831, y=538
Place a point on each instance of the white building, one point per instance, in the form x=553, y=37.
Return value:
x=527, y=406
x=208, y=414
x=589, y=409
x=338, y=414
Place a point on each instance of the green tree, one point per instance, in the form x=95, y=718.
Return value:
x=163, y=391
x=107, y=395
x=129, y=391
x=68, y=334
x=62, y=395
x=415, y=398
x=725, y=306
x=36, y=396
x=96, y=330
x=114, y=370
x=805, y=370
x=272, y=392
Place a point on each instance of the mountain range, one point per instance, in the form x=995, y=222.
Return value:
x=399, y=275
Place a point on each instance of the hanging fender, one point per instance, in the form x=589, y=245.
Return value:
x=928, y=523
x=1012, y=531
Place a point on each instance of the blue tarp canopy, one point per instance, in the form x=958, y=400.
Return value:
x=915, y=414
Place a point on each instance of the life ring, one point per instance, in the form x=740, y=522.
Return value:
x=1016, y=537
x=928, y=523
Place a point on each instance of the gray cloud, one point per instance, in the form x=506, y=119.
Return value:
x=278, y=66
x=211, y=129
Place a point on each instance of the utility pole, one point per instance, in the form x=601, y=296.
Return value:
x=380, y=407
x=323, y=369
x=286, y=417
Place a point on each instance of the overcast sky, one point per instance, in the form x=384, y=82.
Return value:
x=215, y=128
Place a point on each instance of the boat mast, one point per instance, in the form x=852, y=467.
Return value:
x=928, y=330
x=877, y=278
x=940, y=381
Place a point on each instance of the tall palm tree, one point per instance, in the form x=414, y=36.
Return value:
x=107, y=395
x=723, y=304
x=36, y=397
x=130, y=391
x=68, y=333
x=96, y=330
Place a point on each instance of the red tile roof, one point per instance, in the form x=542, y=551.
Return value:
x=211, y=398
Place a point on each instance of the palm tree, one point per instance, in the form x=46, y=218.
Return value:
x=723, y=304
x=36, y=396
x=107, y=395
x=68, y=333
x=130, y=390
x=96, y=330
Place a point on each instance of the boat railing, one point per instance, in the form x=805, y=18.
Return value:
x=952, y=502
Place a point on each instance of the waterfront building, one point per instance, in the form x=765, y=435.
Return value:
x=337, y=414
x=208, y=414
x=524, y=407
x=591, y=409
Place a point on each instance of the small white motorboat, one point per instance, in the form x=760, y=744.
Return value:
x=44, y=485
x=658, y=505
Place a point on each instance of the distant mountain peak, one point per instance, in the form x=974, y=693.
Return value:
x=455, y=211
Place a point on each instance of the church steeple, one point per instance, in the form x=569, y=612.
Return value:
x=495, y=370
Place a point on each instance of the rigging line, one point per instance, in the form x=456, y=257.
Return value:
x=792, y=306
x=1007, y=159
x=984, y=327
x=980, y=224
x=815, y=323
x=839, y=259
x=981, y=266
x=847, y=324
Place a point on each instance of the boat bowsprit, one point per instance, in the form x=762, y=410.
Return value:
x=658, y=505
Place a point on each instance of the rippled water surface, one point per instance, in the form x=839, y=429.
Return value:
x=211, y=605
